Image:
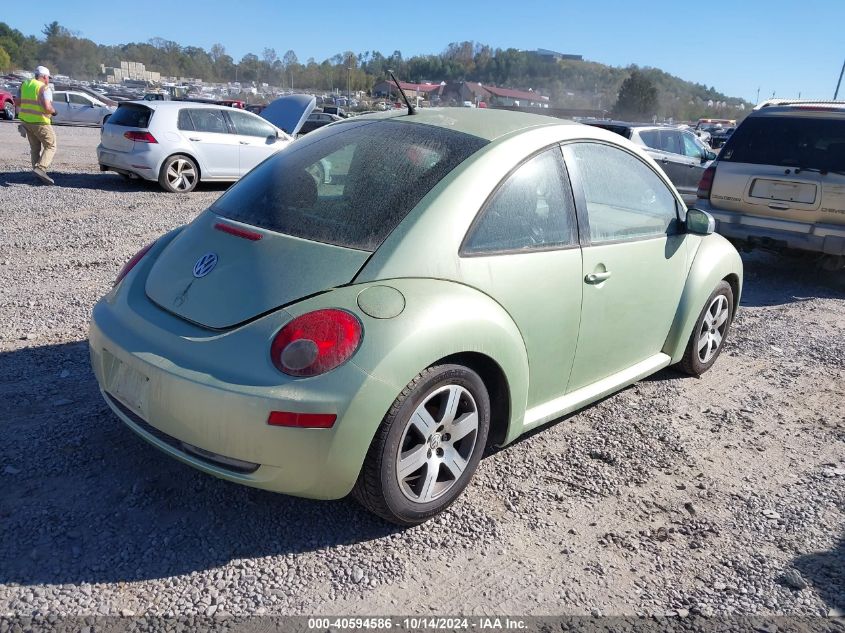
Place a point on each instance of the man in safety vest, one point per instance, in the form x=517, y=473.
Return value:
x=36, y=108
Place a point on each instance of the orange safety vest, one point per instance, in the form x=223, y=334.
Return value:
x=31, y=110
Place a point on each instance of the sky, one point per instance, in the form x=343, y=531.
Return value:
x=785, y=48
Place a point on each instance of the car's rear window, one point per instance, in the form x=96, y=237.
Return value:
x=805, y=142
x=621, y=130
x=131, y=115
x=349, y=184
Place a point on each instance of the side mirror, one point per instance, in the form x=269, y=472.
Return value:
x=710, y=155
x=700, y=222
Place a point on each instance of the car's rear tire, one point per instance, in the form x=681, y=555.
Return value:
x=711, y=329
x=179, y=174
x=9, y=111
x=427, y=447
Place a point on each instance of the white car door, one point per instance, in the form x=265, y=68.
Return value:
x=82, y=109
x=62, y=107
x=207, y=132
x=257, y=139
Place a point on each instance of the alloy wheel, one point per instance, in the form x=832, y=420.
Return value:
x=713, y=327
x=437, y=443
x=181, y=175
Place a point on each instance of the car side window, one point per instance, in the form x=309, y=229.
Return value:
x=670, y=141
x=691, y=146
x=60, y=96
x=209, y=120
x=650, y=138
x=625, y=199
x=533, y=208
x=184, y=122
x=78, y=99
x=250, y=125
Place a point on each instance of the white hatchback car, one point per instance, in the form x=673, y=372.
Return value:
x=180, y=143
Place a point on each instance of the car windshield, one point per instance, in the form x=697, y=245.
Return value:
x=808, y=143
x=349, y=184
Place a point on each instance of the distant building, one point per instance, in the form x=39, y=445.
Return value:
x=134, y=71
x=554, y=55
x=458, y=93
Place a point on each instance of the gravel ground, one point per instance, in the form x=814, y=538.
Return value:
x=721, y=495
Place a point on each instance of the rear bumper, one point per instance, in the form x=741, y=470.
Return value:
x=142, y=164
x=807, y=236
x=205, y=398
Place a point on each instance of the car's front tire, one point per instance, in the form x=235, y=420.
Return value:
x=179, y=174
x=9, y=111
x=711, y=329
x=427, y=447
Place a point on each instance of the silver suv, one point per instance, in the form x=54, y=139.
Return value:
x=779, y=181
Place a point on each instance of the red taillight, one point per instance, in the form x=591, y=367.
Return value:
x=302, y=420
x=316, y=342
x=706, y=182
x=140, y=137
x=137, y=257
x=238, y=232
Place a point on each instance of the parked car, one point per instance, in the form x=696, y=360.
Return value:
x=76, y=107
x=180, y=143
x=317, y=120
x=336, y=110
x=680, y=153
x=376, y=334
x=7, y=105
x=779, y=181
x=719, y=135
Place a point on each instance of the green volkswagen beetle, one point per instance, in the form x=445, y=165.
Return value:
x=460, y=277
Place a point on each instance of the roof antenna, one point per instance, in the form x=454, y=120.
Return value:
x=402, y=92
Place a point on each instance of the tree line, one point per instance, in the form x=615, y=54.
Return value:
x=568, y=83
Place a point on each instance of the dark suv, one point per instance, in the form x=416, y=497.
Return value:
x=680, y=153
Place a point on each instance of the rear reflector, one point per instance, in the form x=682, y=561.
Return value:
x=302, y=420
x=140, y=137
x=233, y=230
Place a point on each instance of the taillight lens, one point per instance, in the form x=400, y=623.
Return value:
x=140, y=137
x=315, y=343
x=137, y=257
x=706, y=182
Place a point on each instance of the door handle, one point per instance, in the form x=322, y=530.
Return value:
x=244, y=142
x=191, y=138
x=597, y=278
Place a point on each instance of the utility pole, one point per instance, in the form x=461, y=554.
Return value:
x=839, y=83
x=758, y=96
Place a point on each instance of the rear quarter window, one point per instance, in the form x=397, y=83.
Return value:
x=131, y=115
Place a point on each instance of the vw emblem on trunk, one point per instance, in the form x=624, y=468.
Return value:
x=205, y=265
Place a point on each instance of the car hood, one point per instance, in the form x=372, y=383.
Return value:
x=220, y=279
x=290, y=112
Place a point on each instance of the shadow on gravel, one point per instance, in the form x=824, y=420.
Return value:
x=772, y=279
x=825, y=571
x=82, y=499
x=104, y=181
